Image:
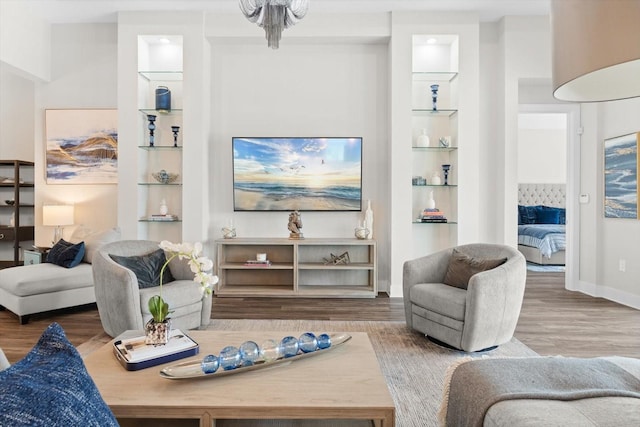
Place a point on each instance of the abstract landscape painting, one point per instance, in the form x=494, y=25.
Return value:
x=621, y=176
x=306, y=174
x=82, y=146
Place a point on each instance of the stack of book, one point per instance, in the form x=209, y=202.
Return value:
x=256, y=263
x=433, y=215
x=159, y=217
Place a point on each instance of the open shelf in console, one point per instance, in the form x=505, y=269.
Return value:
x=298, y=268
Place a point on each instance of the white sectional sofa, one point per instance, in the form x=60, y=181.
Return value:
x=42, y=287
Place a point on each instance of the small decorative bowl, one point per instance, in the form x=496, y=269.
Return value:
x=164, y=177
x=10, y=202
x=361, y=233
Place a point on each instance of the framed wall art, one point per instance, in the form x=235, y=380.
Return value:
x=81, y=146
x=621, y=176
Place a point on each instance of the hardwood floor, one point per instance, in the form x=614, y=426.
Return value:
x=553, y=321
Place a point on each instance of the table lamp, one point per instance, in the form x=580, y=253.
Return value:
x=57, y=216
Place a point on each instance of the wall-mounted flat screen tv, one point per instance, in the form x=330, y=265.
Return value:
x=305, y=174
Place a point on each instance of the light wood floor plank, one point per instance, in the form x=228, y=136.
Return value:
x=553, y=321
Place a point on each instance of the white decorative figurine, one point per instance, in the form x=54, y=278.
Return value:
x=368, y=220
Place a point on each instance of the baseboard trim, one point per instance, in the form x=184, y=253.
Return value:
x=607, y=292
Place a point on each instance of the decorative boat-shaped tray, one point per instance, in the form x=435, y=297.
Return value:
x=193, y=369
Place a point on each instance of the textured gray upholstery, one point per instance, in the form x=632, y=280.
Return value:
x=482, y=316
x=122, y=306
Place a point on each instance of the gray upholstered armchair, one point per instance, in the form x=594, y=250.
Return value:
x=483, y=315
x=123, y=306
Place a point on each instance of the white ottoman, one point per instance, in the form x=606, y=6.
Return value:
x=36, y=288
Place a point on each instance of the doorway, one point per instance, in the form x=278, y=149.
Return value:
x=548, y=152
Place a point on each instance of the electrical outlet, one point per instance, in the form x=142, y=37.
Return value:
x=622, y=265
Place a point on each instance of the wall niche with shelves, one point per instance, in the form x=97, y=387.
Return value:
x=434, y=144
x=160, y=138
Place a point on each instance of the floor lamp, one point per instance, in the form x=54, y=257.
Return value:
x=57, y=216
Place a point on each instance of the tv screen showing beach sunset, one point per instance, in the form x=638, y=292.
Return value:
x=305, y=174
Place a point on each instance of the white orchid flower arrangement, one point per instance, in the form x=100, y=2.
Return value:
x=199, y=265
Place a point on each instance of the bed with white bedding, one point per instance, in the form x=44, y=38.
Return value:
x=541, y=223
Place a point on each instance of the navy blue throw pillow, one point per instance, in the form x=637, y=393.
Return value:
x=146, y=268
x=526, y=214
x=66, y=254
x=547, y=215
x=51, y=387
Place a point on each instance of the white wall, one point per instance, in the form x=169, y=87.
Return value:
x=25, y=39
x=313, y=90
x=83, y=75
x=17, y=98
x=542, y=148
x=606, y=241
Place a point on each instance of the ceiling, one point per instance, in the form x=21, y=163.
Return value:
x=89, y=11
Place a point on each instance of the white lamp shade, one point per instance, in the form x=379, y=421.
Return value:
x=57, y=215
x=595, y=49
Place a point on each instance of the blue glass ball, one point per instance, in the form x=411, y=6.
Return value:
x=289, y=346
x=249, y=353
x=229, y=358
x=307, y=342
x=324, y=341
x=210, y=364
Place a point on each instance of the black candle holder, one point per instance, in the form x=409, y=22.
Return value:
x=175, y=130
x=445, y=169
x=152, y=127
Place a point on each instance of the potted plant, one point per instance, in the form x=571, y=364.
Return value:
x=158, y=328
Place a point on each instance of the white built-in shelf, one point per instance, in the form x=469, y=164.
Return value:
x=427, y=76
x=164, y=76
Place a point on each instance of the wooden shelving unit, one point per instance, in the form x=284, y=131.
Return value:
x=298, y=268
x=15, y=190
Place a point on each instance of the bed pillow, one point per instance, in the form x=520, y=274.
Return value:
x=146, y=268
x=66, y=254
x=462, y=267
x=50, y=386
x=547, y=215
x=526, y=215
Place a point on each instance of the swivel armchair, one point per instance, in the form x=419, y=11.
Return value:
x=124, y=306
x=483, y=315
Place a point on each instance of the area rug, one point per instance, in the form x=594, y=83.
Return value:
x=413, y=367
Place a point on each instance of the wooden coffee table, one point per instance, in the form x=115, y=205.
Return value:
x=342, y=384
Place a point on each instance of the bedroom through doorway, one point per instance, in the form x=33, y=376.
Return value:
x=542, y=189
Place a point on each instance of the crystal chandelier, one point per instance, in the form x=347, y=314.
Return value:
x=274, y=16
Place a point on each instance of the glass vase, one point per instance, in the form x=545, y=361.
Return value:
x=157, y=333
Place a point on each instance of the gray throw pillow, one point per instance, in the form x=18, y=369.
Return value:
x=462, y=267
x=146, y=268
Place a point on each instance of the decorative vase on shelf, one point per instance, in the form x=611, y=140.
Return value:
x=152, y=127
x=431, y=203
x=368, y=220
x=445, y=169
x=175, y=130
x=423, y=139
x=435, y=179
x=164, y=209
x=163, y=99
x=434, y=96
